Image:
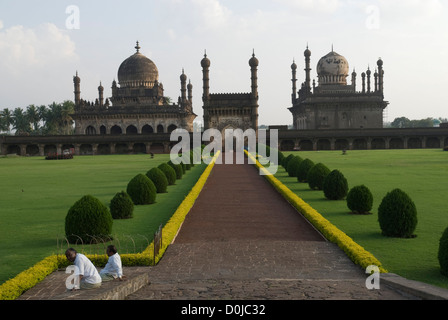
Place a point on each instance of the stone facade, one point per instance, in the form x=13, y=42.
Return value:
x=137, y=105
x=230, y=110
x=334, y=104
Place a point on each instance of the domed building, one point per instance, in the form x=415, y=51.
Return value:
x=334, y=104
x=137, y=106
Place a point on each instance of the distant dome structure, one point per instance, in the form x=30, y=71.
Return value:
x=332, y=69
x=137, y=71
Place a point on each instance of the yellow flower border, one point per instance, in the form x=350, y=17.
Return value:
x=354, y=251
x=13, y=288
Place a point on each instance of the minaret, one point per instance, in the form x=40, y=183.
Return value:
x=253, y=62
x=183, y=81
x=205, y=63
x=307, y=54
x=380, y=75
x=354, y=80
x=368, y=79
x=101, y=95
x=294, y=82
x=190, y=91
x=363, y=75
x=77, y=82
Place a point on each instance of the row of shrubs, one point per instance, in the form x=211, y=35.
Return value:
x=353, y=250
x=397, y=213
x=89, y=219
x=27, y=279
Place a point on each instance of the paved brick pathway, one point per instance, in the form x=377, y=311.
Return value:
x=242, y=240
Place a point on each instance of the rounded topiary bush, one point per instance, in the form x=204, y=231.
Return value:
x=177, y=168
x=184, y=168
x=316, y=176
x=159, y=179
x=360, y=200
x=335, y=186
x=88, y=220
x=286, y=160
x=280, y=156
x=302, y=170
x=121, y=206
x=443, y=253
x=142, y=190
x=293, y=166
x=397, y=215
x=169, y=172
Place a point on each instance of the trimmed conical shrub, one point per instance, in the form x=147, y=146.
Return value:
x=88, y=221
x=302, y=170
x=316, y=176
x=121, y=206
x=159, y=179
x=335, y=186
x=286, y=160
x=169, y=172
x=177, y=168
x=360, y=200
x=293, y=166
x=397, y=215
x=443, y=253
x=142, y=190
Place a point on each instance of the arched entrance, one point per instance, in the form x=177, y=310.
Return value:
x=131, y=130
x=147, y=129
x=116, y=130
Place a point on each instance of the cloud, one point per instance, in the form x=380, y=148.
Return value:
x=313, y=6
x=33, y=49
x=213, y=14
x=414, y=12
x=35, y=61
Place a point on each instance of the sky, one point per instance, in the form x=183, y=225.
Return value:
x=44, y=43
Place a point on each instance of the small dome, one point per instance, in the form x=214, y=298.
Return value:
x=183, y=77
x=138, y=70
x=253, y=62
x=294, y=66
x=307, y=52
x=205, y=62
x=333, y=69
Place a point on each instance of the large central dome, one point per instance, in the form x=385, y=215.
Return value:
x=137, y=71
x=333, y=69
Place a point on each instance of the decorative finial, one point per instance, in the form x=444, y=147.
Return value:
x=137, y=47
x=253, y=52
x=205, y=53
x=332, y=48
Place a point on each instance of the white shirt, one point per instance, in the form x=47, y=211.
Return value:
x=113, y=266
x=86, y=269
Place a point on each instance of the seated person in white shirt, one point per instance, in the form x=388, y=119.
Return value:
x=89, y=277
x=113, y=269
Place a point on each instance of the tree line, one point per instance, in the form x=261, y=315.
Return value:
x=403, y=122
x=54, y=119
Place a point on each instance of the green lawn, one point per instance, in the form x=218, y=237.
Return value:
x=35, y=195
x=422, y=174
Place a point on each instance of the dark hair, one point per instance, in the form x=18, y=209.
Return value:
x=112, y=248
x=70, y=250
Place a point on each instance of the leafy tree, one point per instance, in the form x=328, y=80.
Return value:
x=20, y=122
x=33, y=116
x=6, y=120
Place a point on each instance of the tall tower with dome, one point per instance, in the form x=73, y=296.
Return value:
x=137, y=104
x=230, y=110
x=332, y=103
